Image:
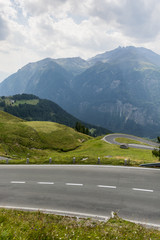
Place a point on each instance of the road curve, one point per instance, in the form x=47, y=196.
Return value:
x=111, y=139
x=134, y=193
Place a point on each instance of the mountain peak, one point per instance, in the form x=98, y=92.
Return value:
x=129, y=53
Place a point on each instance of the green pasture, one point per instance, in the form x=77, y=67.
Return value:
x=40, y=141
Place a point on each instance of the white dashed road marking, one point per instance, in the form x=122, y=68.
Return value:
x=80, y=185
x=46, y=183
x=142, y=190
x=104, y=186
x=17, y=182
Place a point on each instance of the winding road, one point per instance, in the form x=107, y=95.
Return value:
x=111, y=139
x=134, y=193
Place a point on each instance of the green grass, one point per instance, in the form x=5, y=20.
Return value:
x=18, y=137
x=109, y=154
x=57, y=136
x=7, y=118
x=31, y=102
x=39, y=141
x=90, y=151
x=8, y=101
x=21, y=225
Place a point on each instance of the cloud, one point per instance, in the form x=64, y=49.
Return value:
x=4, y=31
x=138, y=19
x=39, y=7
x=31, y=30
x=6, y=9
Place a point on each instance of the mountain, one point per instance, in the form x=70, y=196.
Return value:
x=117, y=90
x=121, y=91
x=32, y=108
x=74, y=65
x=44, y=78
x=123, y=54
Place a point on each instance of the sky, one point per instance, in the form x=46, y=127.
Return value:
x=31, y=30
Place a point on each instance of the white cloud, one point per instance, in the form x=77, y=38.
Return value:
x=138, y=19
x=4, y=31
x=39, y=7
x=31, y=30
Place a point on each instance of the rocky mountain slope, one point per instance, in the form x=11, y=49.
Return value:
x=122, y=91
x=118, y=90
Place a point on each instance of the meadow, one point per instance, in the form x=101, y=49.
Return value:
x=40, y=141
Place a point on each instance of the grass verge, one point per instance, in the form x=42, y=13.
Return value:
x=87, y=153
x=21, y=225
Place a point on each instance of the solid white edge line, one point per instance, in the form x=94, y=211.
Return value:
x=73, y=184
x=142, y=190
x=17, y=182
x=59, y=212
x=46, y=183
x=104, y=139
x=105, y=186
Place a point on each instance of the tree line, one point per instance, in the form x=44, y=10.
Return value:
x=81, y=128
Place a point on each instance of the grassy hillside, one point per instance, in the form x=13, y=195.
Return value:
x=89, y=152
x=57, y=136
x=32, y=108
x=41, y=140
x=5, y=117
x=21, y=137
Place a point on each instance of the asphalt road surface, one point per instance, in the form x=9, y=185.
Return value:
x=111, y=139
x=134, y=193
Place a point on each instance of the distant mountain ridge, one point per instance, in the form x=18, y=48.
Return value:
x=118, y=89
x=128, y=53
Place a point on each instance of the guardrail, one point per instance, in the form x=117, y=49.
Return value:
x=150, y=165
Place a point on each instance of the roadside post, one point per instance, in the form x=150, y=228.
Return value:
x=126, y=162
x=27, y=161
x=6, y=161
x=50, y=160
x=98, y=160
x=74, y=160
